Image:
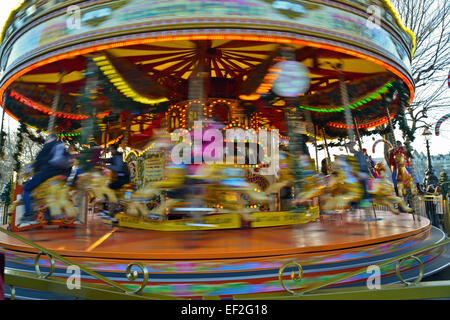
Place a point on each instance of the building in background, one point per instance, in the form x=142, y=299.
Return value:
x=439, y=162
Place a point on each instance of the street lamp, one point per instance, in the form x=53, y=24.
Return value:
x=430, y=178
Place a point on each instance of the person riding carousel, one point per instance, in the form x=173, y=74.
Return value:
x=118, y=167
x=371, y=164
x=363, y=173
x=393, y=164
x=51, y=161
x=121, y=176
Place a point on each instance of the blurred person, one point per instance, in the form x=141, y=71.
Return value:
x=118, y=167
x=325, y=167
x=76, y=170
x=53, y=160
x=121, y=176
x=371, y=163
x=430, y=206
x=363, y=172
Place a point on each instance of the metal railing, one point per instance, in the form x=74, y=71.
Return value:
x=438, y=209
x=107, y=289
x=405, y=290
x=112, y=290
x=429, y=206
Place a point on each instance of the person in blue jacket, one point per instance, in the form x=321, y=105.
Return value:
x=49, y=163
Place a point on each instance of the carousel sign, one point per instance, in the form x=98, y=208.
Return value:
x=110, y=17
x=209, y=148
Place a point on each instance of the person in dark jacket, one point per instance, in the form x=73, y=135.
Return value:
x=430, y=206
x=363, y=172
x=44, y=170
x=118, y=166
x=121, y=177
x=2, y=276
x=325, y=167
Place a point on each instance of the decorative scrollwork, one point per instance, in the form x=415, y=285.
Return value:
x=421, y=272
x=293, y=277
x=132, y=275
x=38, y=269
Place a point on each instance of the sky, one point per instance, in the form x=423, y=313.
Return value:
x=439, y=145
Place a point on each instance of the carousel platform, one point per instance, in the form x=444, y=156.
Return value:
x=226, y=263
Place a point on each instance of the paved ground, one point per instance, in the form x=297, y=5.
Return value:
x=442, y=275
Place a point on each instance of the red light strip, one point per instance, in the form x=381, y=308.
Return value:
x=362, y=126
x=30, y=103
x=205, y=37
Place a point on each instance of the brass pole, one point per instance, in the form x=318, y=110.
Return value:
x=315, y=147
x=127, y=132
x=1, y=130
x=358, y=137
x=55, y=103
x=394, y=142
x=346, y=102
x=326, y=145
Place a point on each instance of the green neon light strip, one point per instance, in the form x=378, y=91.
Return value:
x=357, y=104
x=59, y=134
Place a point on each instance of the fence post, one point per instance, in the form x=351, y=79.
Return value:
x=446, y=217
x=2, y=276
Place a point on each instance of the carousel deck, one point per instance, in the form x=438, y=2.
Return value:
x=99, y=240
x=226, y=263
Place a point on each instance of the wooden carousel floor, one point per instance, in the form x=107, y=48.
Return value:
x=99, y=240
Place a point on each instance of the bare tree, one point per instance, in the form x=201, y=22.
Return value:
x=430, y=23
x=29, y=152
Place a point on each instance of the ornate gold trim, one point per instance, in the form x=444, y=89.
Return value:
x=12, y=295
x=132, y=275
x=293, y=277
x=421, y=272
x=37, y=268
x=401, y=25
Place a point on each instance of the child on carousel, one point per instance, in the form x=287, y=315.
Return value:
x=371, y=164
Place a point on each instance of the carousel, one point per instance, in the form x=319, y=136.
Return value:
x=214, y=106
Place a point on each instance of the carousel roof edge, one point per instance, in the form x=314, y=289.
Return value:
x=399, y=21
x=67, y=3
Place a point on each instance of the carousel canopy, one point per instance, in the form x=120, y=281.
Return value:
x=226, y=49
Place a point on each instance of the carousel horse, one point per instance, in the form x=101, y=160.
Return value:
x=222, y=185
x=175, y=177
x=344, y=187
x=380, y=170
x=314, y=184
x=383, y=192
x=284, y=175
x=227, y=186
x=53, y=194
x=404, y=179
x=96, y=184
x=380, y=190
